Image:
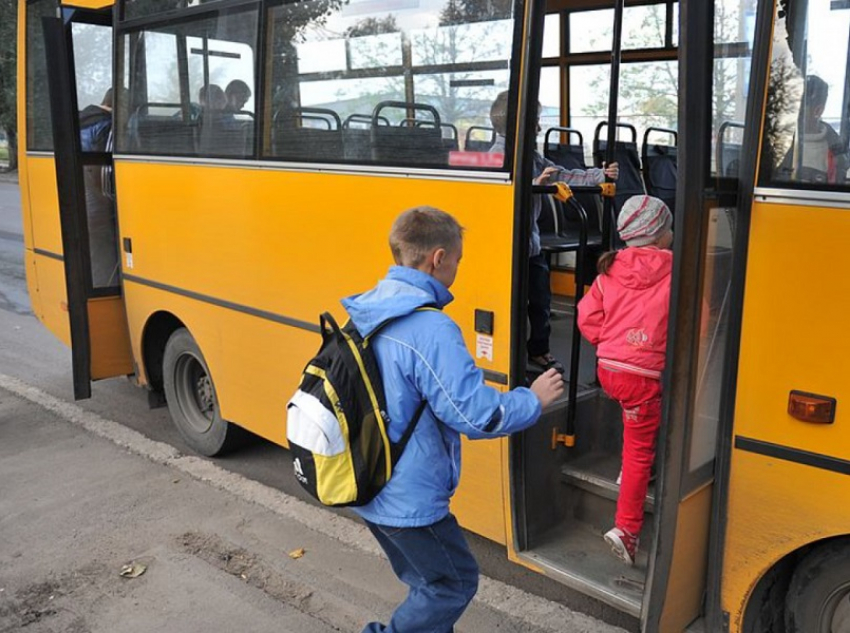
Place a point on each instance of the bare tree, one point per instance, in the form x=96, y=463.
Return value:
x=8, y=87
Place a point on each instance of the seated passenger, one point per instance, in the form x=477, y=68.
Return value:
x=818, y=154
x=237, y=94
x=95, y=130
x=95, y=124
x=210, y=98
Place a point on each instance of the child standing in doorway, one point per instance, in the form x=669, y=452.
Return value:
x=625, y=315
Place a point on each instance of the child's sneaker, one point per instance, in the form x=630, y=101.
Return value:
x=623, y=544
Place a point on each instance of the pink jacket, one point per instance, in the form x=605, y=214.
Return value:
x=625, y=312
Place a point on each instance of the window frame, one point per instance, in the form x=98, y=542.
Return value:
x=262, y=80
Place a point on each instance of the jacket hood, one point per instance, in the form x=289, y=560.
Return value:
x=92, y=114
x=401, y=292
x=641, y=267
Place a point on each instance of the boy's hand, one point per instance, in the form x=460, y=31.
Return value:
x=543, y=178
x=612, y=171
x=548, y=387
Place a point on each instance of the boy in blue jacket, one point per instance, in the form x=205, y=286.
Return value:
x=423, y=356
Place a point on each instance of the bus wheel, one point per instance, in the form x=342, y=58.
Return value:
x=819, y=596
x=191, y=396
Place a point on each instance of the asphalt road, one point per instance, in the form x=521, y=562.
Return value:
x=28, y=352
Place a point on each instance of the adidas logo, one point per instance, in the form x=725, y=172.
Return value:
x=299, y=471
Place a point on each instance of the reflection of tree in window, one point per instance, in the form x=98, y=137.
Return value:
x=648, y=94
x=289, y=26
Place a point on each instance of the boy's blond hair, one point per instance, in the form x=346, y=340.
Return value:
x=418, y=231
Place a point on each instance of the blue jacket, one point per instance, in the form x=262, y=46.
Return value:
x=424, y=356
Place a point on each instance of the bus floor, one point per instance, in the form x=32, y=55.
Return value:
x=570, y=493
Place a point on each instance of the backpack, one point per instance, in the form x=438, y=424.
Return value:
x=337, y=420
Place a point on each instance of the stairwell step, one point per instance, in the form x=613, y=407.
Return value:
x=596, y=473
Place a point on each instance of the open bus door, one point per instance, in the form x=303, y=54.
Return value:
x=564, y=492
x=78, y=43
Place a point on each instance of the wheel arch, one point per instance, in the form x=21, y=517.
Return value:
x=766, y=600
x=158, y=328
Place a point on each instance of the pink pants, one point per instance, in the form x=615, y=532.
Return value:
x=640, y=398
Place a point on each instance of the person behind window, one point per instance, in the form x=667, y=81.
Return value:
x=539, y=290
x=820, y=156
x=212, y=98
x=95, y=124
x=237, y=94
x=95, y=132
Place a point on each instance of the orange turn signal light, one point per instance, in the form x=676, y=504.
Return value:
x=810, y=407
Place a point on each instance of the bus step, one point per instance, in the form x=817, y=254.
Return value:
x=596, y=473
x=576, y=555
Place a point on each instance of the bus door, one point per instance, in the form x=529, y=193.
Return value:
x=566, y=485
x=79, y=47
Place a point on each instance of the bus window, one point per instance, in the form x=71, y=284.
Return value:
x=430, y=73
x=191, y=87
x=95, y=98
x=643, y=27
x=649, y=96
x=805, y=140
x=552, y=36
x=39, y=127
x=143, y=8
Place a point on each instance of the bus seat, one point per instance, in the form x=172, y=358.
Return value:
x=660, y=163
x=570, y=155
x=223, y=134
x=357, y=136
x=630, y=183
x=307, y=134
x=450, y=137
x=159, y=128
x=448, y=131
x=728, y=154
x=485, y=137
x=408, y=144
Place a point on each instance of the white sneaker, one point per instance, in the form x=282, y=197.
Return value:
x=623, y=545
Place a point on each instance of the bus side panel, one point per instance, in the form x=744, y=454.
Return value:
x=43, y=204
x=686, y=587
x=793, y=338
x=46, y=284
x=43, y=241
x=111, y=345
x=482, y=489
x=292, y=245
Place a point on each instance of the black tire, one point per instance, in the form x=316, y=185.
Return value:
x=819, y=596
x=191, y=397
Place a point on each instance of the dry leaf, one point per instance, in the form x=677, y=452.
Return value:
x=297, y=553
x=133, y=570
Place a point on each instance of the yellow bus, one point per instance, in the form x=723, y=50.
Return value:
x=201, y=178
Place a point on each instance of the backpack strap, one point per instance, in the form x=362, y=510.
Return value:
x=328, y=325
x=432, y=307
x=398, y=448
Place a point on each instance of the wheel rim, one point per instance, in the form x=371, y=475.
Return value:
x=835, y=615
x=195, y=393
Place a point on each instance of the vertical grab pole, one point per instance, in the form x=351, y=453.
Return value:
x=608, y=219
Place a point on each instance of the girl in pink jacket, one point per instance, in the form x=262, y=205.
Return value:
x=625, y=315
